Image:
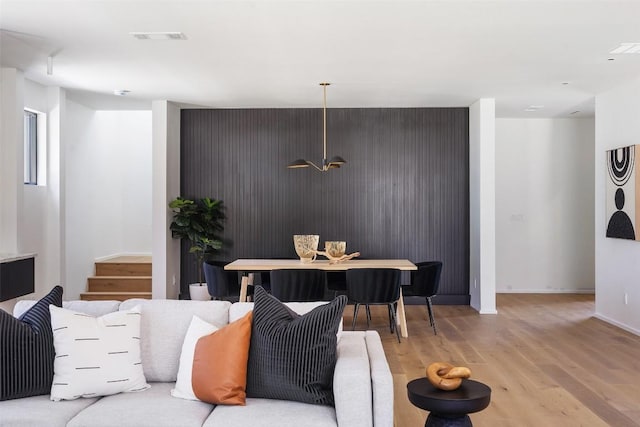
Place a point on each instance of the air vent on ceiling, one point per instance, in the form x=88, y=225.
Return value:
x=627, y=48
x=532, y=108
x=166, y=35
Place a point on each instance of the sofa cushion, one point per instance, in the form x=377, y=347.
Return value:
x=198, y=328
x=94, y=308
x=269, y=413
x=164, y=325
x=293, y=357
x=152, y=408
x=26, y=350
x=220, y=364
x=96, y=356
x=38, y=411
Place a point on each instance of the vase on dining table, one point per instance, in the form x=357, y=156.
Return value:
x=306, y=246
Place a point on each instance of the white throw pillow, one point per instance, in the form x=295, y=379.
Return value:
x=96, y=356
x=198, y=328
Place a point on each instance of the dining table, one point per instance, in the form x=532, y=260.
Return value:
x=249, y=266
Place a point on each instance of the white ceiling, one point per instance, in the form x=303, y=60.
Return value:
x=255, y=54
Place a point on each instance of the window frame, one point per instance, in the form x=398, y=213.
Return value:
x=31, y=136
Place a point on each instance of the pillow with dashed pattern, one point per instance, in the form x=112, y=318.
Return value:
x=96, y=356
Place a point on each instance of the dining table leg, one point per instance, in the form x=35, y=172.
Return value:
x=247, y=280
x=402, y=317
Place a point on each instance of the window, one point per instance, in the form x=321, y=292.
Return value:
x=30, y=147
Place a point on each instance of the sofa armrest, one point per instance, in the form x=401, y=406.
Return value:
x=352, y=382
x=381, y=380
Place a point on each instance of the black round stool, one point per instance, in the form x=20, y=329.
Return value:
x=449, y=408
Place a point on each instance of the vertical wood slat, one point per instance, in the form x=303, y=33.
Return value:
x=404, y=192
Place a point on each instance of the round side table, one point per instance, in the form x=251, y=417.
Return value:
x=449, y=408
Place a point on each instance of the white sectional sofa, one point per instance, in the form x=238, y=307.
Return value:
x=362, y=383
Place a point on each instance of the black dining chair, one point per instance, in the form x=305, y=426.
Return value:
x=337, y=282
x=425, y=282
x=221, y=284
x=374, y=286
x=292, y=285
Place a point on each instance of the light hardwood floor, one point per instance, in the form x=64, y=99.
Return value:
x=548, y=361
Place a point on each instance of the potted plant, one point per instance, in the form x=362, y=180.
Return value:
x=200, y=222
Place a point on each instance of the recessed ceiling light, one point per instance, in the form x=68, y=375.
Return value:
x=627, y=48
x=611, y=59
x=159, y=35
x=565, y=83
x=121, y=92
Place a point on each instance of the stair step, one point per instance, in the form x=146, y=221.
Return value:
x=124, y=266
x=119, y=284
x=113, y=296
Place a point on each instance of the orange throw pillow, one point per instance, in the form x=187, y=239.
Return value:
x=219, y=372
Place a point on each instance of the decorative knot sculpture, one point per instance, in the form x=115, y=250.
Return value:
x=445, y=376
x=334, y=260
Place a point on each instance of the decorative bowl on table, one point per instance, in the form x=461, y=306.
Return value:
x=335, y=249
x=306, y=246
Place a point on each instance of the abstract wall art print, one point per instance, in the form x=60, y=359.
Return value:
x=623, y=193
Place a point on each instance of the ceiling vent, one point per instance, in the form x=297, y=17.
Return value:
x=627, y=48
x=166, y=35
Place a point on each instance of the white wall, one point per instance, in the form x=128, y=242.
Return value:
x=34, y=213
x=617, y=261
x=108, y=189
x=482, y=203
x=166, y=187
x=544, y=199
x=11, y=158
x=39, y=222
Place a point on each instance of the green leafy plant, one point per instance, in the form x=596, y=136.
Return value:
x=200, y=222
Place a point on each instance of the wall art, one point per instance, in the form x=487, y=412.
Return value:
x=623, y=193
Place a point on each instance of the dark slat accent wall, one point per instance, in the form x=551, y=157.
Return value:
x=404, y=192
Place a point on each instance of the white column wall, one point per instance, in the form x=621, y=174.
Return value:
x=11, y=158
x=544, y=195
x=166, y=187
x=617, y=261
x=482, y=271
x=54, y=231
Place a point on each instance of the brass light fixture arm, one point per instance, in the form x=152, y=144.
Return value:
x=321, y=169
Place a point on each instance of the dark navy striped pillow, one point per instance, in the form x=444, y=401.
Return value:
x=26, y=350
x=293, y=357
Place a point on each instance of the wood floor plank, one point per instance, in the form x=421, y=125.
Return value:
x=548, y=361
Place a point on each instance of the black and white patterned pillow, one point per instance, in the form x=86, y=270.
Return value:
x=293, y=357
x=96, y=356
x=26, y=350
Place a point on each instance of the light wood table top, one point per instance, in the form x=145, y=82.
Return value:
x=319, y=264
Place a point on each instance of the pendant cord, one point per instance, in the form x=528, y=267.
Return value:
x=324, y=121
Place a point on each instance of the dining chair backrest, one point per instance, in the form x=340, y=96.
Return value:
x=220, y=283
x=425, y=281
x=373, y=285
x=292, y=285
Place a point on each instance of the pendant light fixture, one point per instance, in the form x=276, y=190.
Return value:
x=335, y=161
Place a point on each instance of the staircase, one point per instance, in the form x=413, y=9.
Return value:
x=120, y=278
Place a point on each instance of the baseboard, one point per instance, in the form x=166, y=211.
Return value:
x=102, y=258
x=617, y=324
x=546, y=291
